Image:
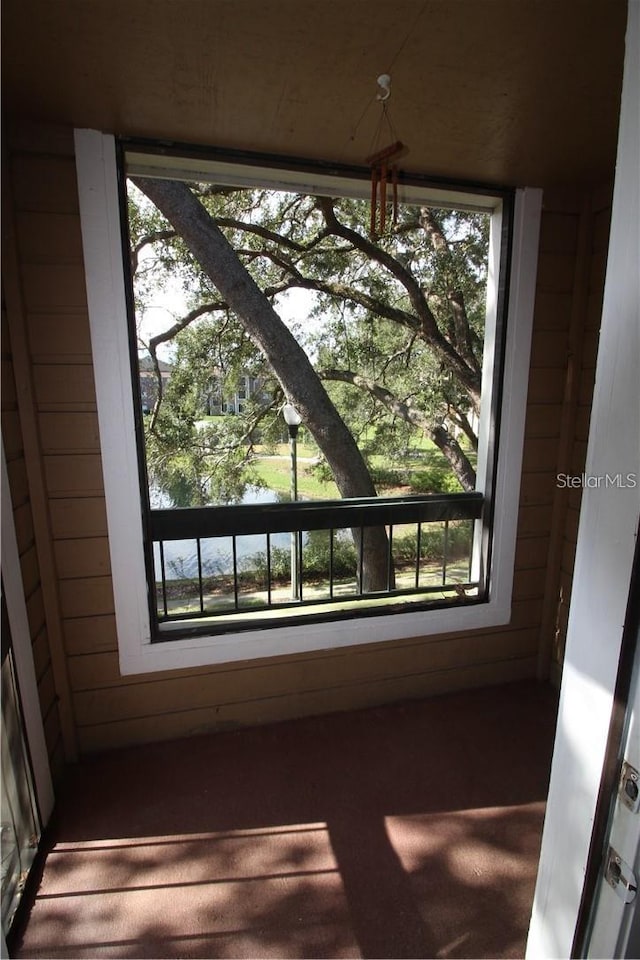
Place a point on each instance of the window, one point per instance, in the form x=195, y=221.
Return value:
x=150, y=636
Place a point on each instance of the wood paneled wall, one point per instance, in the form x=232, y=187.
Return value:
x=110, y=710
x=573, y=247
x=583, y=349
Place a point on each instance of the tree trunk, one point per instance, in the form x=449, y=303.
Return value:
x=286, y=357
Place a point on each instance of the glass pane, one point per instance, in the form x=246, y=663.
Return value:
x=181, y=576
x=19, y=823
x=391, y=327
x=345, y=565
x=380, y=395
x=253, y=579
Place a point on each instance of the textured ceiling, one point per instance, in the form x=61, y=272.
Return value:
x=501, y=91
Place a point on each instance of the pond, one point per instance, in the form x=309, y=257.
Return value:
x=216, y=553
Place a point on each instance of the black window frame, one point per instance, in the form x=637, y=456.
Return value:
x=175, y=151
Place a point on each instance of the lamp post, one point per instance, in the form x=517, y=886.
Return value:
x=293, y=420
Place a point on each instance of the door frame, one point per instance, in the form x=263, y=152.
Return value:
x=23, y=654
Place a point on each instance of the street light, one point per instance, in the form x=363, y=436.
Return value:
x=293, y=420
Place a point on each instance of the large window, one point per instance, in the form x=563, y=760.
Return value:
x=254, y=289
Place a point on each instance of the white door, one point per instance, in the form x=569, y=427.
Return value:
x=612, y=927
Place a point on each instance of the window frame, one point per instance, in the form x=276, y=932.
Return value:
x=97, y=169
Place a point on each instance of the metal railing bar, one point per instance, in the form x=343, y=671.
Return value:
x=163, y=579
x=331, y=563
x=234, y=551
x=193, y=522
x=269, y=600
x=445, y=551
x=221, y=602
x=200, y=575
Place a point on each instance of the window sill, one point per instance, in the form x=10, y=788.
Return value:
x=188, y=652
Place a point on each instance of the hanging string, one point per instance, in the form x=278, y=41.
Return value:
x=383, y=159
x=384, y=167
x=353, y=133
x=383, y=122
x=399, y=50
x=408, y=34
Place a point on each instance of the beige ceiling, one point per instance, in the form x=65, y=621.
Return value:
x=502, y=91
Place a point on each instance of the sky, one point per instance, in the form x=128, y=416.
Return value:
x=293, y=307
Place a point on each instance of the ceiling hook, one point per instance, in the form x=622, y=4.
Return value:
x=384, y=82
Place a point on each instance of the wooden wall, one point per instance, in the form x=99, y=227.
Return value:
x=109, y=710
x=600, y=214
x=573, y=252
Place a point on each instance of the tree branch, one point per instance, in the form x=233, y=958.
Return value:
x=279, y=239
x=185, y=321
x=467, y=374
x=406, y=411
x=147, y=240
x=336, y=288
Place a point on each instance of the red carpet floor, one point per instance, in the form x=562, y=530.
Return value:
x=401, y=831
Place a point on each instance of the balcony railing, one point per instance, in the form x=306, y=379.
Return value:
x=214, y=565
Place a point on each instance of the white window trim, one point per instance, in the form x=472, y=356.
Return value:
x=101, y=234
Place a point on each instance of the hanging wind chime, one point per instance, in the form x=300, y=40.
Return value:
x=384, y=168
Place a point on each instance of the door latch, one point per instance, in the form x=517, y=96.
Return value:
x=629, y=791
x=620, y=876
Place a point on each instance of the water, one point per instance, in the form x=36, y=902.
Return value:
x=216, y=553
x=159, y=500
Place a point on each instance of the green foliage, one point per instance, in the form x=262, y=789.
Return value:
x=435, y=479
x=316, y=559
x=459, y=537
x=384, y=477
x=255, y=566
x=316, y=554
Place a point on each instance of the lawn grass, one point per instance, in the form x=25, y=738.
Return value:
x=273, y=467
x=275, y=474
